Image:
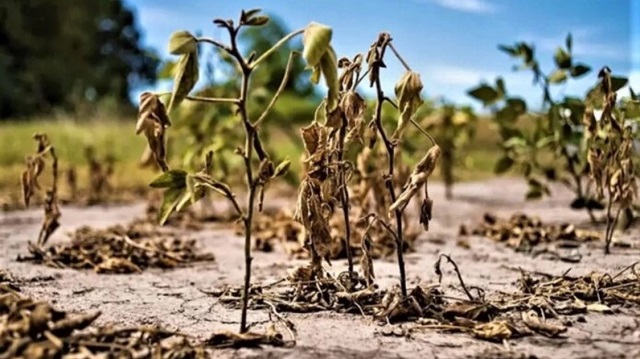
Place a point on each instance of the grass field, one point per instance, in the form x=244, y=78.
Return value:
x=117, y=138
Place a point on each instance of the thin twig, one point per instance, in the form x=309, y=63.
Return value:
x=275, y=47
x=283, y=85
x=457, y=270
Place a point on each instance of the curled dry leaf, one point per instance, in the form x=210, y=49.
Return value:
x=153, y=120
x=417, y=179
x=408, y=94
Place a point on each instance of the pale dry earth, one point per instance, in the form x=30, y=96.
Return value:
x=174, y=299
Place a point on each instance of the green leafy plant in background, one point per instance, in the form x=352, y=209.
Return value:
x=183, y=188
x=453, y=127
x=548, y=146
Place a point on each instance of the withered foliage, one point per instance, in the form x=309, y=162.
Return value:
x=34, y=329
x=153, y=121
x=278, y=228
x=29, y=180
x=120, y=249
x=529, y=234
x=611, y=155
x=596, y=292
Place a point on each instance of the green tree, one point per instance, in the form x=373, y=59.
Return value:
x=58, y=53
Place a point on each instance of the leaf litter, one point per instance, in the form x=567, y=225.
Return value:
x=120, y=249
x=528, y=234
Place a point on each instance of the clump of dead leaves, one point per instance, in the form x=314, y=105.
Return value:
x=540, y=306
x=120, y=249
x=34, y=329
x=529, y=234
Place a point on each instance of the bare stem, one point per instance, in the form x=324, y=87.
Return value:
x=389, y=183
x=344, y=193
x=283, y=85
x=275, y=47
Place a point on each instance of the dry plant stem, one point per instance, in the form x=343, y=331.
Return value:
x=389, y=183
x=344, y=194
x=457, y=270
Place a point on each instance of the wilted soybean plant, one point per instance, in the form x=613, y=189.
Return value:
x=327, y=170
x=611, y=153
x=184, y=188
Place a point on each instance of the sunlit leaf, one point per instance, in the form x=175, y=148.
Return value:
x=170, y=200
x=186, y=78
x=315, y=40
x=182, y=43
x=170, y=179
x=558, y=76
x=329, y=66
x=562, y=59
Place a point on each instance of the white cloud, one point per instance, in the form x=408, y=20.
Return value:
x=460, y=76
x=474, y=6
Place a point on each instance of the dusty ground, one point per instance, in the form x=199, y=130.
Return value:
x=173, y=298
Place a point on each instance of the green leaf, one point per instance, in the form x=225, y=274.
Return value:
x=166, y=70
x=514, y=142
x=511, y=51
x=503, y=165
x=543, y=142
x=170, y=201
x=329, y=66
x=257, y=21
x=569, y=42
x=315, y=41
x=186, y=78
x=562, y=59
x=170, y=179
x=580, y=70
x=315, y=75
x=484, y=93
x=282, y=168
x=518, y=105
x=500, y=87
x=558, y=76
x=618, y=82
x=182, y=43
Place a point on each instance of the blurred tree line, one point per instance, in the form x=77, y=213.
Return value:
x=62, y=54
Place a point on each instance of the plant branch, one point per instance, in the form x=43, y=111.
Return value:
x=283, y=85
x=424, y=132
x=275, y=47
x=214, y=43
x=395, y=52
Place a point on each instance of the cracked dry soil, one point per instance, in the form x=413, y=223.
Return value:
x=173, y=298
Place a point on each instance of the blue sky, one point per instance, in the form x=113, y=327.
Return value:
x=451, y=43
